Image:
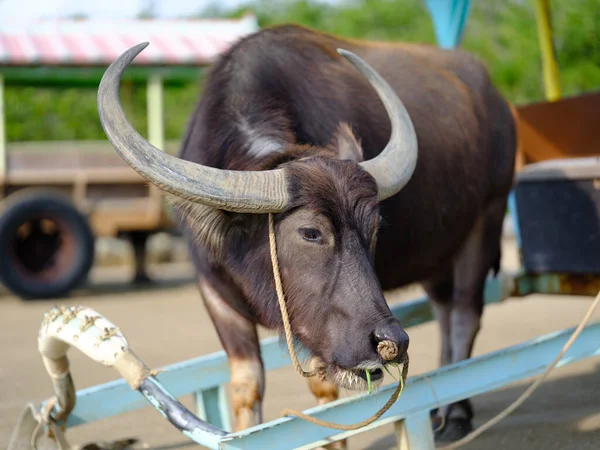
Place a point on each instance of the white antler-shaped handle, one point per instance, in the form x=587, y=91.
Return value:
x=92, y=334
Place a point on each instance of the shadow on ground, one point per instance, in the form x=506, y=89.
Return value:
x=118, y=280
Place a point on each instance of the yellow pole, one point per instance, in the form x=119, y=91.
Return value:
x=549, y=64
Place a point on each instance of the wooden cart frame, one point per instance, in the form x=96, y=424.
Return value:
x=77, y=194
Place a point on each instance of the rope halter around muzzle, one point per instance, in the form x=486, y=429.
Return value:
x=388, y=350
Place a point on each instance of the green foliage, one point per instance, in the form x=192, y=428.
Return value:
x=367, y=19
x=46, y=114
x=578, y=44
x=503, y=34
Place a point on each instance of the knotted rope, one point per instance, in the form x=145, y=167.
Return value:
x=387, y=349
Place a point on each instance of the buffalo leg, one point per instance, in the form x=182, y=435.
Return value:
x=139, y=241
x=439, y=290
x=325, y=392
x=239, y=338
x=479, y=255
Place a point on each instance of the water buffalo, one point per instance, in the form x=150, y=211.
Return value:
x=290, y=126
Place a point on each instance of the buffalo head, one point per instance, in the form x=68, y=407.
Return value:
x=325, y=203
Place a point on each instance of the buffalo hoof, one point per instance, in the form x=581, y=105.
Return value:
x=338, y=445
x=142, y=279
x=453, y=430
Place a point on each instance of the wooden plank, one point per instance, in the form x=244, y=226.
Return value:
x=103, y=175
x=565, y=128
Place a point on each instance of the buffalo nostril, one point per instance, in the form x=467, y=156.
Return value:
x=392, y=331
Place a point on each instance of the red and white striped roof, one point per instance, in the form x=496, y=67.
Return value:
x=99, y=42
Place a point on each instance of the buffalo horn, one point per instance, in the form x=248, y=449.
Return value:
x=394, y=166
x=238, y=191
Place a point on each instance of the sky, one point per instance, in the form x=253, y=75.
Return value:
x=23, y=10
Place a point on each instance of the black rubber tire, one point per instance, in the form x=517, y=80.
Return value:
x=75, y=252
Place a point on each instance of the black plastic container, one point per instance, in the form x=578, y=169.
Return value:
x=558, y=208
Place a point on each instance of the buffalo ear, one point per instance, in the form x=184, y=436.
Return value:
x=208, y=226
x=345, y=144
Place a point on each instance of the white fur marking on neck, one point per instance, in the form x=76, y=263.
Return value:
x=259, y=144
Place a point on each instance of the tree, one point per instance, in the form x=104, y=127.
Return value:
x=501, y=34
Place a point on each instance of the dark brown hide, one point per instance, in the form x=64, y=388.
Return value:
x=289, y=85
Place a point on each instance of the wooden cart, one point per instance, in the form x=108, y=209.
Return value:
x=54, y=203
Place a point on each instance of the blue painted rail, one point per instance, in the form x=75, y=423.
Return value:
x=206, y=376
x=450, y=384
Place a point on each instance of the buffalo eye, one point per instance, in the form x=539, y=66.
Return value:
x=310, y=234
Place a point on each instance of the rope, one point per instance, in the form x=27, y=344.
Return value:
x=281, y=299
x=387, y=349
x=358, y=425
x=525, y=395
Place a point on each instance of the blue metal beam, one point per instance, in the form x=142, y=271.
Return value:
x=211, y=406
x=424, y=392
x=211, y=371
x=450, y=384
x=206, y=374
x=198, y=374
x=179, y=416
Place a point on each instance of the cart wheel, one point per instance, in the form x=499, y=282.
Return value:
x=46, y=244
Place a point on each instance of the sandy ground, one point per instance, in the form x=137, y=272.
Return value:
x=167, y=323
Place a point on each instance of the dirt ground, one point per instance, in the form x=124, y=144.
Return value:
x=167, y=323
